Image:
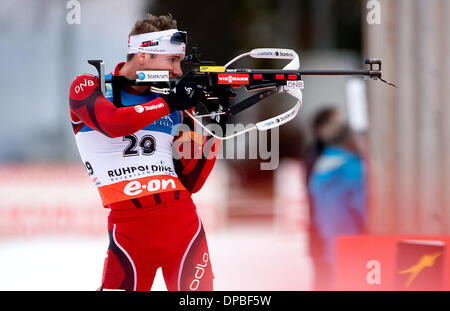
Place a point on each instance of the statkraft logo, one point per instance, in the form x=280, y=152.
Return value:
x=141, y=76
x=232, y=78
x=153, y=107
x=284, y=54
x=139, y=109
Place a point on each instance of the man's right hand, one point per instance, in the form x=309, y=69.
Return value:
x=186, y=96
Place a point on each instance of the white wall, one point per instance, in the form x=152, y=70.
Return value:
x=40, y=55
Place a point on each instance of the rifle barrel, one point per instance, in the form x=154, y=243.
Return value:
x=310, y=72
x=304, y=72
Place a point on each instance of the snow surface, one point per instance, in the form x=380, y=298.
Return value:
x=244, y=257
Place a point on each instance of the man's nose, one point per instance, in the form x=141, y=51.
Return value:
x=177, y=70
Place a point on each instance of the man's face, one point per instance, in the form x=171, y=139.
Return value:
x=170, y=62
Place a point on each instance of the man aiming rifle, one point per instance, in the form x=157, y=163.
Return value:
x=125, y=142
x=125, y=126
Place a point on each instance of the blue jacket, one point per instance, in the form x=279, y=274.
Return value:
x=338, y=192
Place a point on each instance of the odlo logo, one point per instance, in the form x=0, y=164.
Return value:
x=199, y=272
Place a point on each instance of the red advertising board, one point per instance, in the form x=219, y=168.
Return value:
x=374, y=262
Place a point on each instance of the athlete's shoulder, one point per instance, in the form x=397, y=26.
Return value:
x=83, y=85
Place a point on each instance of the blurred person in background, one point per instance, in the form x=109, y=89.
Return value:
x=336, y=189
x=314, y=150
x=127, y=150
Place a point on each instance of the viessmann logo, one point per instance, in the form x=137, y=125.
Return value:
x=233, y=78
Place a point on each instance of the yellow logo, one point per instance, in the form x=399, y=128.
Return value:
x=212, y=69
x=425, y=261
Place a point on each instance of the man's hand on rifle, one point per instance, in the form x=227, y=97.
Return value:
x=186, y=96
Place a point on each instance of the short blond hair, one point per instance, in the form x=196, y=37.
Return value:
x=151, y=23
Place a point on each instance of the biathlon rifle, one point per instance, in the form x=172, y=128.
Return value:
x=217, y=84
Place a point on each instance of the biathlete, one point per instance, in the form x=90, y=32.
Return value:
x=127, y=150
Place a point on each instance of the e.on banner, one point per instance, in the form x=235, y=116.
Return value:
x=133, y=189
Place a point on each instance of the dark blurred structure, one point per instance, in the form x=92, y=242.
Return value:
x=223, y=29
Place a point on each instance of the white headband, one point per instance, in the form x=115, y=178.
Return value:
x=158, y=42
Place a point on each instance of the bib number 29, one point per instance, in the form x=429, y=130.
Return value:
x=146, y=145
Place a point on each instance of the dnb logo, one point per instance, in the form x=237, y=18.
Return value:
x=81, y=85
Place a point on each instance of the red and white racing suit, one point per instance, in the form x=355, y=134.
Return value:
x=127, y=151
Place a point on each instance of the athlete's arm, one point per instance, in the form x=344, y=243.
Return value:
x=196, y=156
x=88, y=105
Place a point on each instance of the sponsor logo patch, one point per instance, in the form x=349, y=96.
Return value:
x=293, y=85
x=80, y=87
x=153, y=107
x=149, y=43
x=139, y=109
x=153, y=76
x=124, y=190
x=212, y=69
x=233, y=78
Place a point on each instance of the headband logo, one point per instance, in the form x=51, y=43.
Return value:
x=149, y=43
x=169, y=41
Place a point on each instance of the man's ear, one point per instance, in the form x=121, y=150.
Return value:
x=141, y=58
